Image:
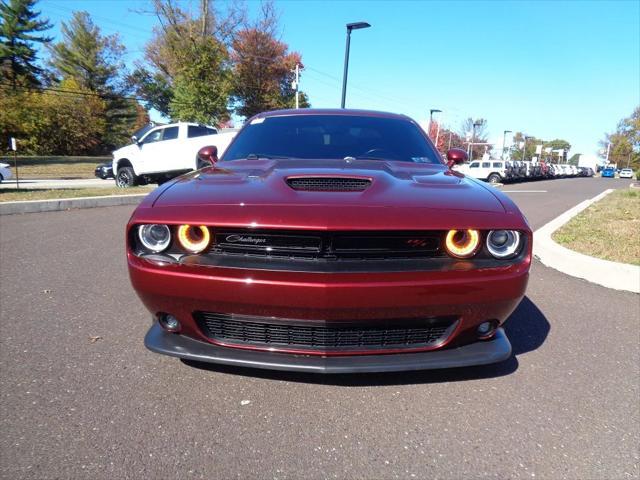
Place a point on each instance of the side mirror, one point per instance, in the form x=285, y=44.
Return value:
x=456, y=156
x=135, y=140
x=207, y=157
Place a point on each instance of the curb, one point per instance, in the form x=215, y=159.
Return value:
x=618, y=276
x=36, y=206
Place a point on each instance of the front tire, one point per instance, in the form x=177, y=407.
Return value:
x=493, y=178
x=126, y=178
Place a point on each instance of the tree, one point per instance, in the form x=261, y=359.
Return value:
x=624, y=143
x=479, y=134
x=263, y=69
x=186, y=72
x=446, y=138
x=201, y=88
x=19, y=30
x=93, y=60
x=55, y=123
x=95, y=64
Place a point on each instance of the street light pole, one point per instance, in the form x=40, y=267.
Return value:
x=431, y=112
x=350, y=27
x=524, y=147
x=473, y=139
x=504, y=141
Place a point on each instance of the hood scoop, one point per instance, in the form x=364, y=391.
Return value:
x=328, y=183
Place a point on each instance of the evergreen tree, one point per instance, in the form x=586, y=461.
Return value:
x=19, y=29
x=94, y=62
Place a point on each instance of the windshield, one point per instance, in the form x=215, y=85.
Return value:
x=332, y=137
x=142, y=130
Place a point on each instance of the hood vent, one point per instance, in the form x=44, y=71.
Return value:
x=329, y=184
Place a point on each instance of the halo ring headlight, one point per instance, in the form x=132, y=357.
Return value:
x=462, y=243
x=154, y=237
x=503, y=243
x=193, y=238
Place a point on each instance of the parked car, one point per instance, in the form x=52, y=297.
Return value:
x=608, y=172
x=162, y=152
x=329, y=241
x=493, y=171
x=104, y=171
x=626, y=173
x=5, y=172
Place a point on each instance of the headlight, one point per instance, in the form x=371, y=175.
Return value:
x=503, y=243
x=154, y=237
x=462, y=243
x=193, y=238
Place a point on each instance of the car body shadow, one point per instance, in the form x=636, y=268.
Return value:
x=527, y=328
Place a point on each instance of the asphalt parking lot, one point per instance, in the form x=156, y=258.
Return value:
x=82, y=398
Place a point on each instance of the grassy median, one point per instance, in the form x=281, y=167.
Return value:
x=14, y=195
x=608, y=229
x=55, y=167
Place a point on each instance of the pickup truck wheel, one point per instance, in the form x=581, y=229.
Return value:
x=126, y=177
x=494, y=178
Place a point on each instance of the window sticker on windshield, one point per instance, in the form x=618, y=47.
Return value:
x=420, y=159
x=256, y=121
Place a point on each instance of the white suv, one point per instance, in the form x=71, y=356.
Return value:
x=159, y=153
x=493, y=171
x=626, y=173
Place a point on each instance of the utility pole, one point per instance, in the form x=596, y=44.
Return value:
x=450, y=133
x=524, y=147
x=608, y=150
x=296, y=83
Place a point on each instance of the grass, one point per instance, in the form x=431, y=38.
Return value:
x=55, y=167
x=608, y=229
x=13, y=195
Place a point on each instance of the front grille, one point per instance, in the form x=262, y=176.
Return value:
x=288, y=334
x=327, y=245
x=329, y=184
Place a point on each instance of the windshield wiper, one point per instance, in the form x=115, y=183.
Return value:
x=256, y=156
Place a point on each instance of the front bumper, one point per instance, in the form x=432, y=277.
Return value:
x=479, y=353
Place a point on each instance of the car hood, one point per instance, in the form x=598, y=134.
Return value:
x=393, y=184
x=123, y=151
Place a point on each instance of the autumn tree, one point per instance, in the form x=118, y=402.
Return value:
x=20, y=31
x=263, y=68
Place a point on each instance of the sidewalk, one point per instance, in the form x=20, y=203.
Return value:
x=57, y=183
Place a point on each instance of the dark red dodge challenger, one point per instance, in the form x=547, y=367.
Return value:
x=329, y=241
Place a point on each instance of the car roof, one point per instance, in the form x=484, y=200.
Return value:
x=330, y=111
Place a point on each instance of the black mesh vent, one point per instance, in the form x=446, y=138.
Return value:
x=263, y=331
x=329, y=184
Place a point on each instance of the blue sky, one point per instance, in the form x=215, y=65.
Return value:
x=552, y=69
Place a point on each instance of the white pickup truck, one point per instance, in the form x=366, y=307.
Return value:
x=159, y=153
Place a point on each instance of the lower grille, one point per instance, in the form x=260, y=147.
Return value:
x=323, y=336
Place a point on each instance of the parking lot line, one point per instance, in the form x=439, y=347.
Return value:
x=524, y=191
